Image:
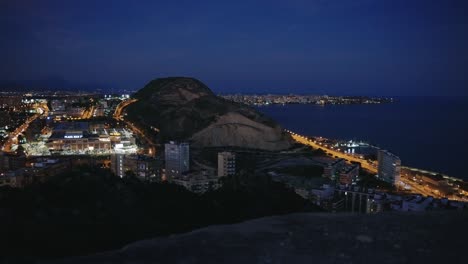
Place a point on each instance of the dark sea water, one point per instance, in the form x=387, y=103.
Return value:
x=426, y=132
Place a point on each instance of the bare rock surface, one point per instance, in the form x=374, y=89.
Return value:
x=234, y=129
x=435, y=237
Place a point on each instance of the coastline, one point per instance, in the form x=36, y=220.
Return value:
x=413, y=180
x=424, y=133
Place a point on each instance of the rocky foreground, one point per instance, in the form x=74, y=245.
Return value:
x=436, y=237
x=186, y=109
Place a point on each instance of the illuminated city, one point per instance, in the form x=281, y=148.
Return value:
x=243, y=132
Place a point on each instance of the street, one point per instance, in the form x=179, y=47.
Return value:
x=415, y=187
x=118, y=116
x=42, y=110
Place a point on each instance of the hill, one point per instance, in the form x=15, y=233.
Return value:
x=88, y=210
x=431, y=237
x=186, y=109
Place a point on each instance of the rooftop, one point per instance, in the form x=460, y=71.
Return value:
x=77, y=126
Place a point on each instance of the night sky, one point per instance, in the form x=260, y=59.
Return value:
x=363, y=47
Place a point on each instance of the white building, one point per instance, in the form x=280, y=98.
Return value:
x=142, y=166
x=226, y=164
x=417, y=203
x=197, y=182
x=117, y=164
x=389, y=167
x=325, y=192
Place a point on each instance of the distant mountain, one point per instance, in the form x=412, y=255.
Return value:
x=50, y=84
x=186, y=109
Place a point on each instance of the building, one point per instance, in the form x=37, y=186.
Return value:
x=348, y=174
x=336, y=204
x=324, y=193
x=12, y=178
x=77, y=142
x=226, y=164
x=332, y=167
x=197, y=181
x=144, y=167
x=57, y=105
x=176, y=158
x=389, y=167
x=12, y=161
x=416, y=203
x=71, y=138
x=375, y=203
x=11, y=101
x=117, y=164
x=43, y=168
x=37, y=171
x=75, y=112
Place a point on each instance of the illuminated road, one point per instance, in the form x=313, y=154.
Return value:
x=407, y=174
x=310, y=142
x=88, y=113
x=13, y=136
x=415, y=187
x=118, y=115
x=120, y=107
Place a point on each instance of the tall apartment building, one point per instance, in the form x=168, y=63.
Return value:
x=177, y=159
x=389, y=167
x=117, y=164
x=226, y=164
x=143, y=167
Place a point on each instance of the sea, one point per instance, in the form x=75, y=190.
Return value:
x=428, y=133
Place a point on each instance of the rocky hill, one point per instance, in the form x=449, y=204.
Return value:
x=186, y=109
x=435, y=237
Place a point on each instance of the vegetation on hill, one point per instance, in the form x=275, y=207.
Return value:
x=308, y=171
x=91, y=210
x=179, y=107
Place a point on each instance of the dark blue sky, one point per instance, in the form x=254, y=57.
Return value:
x=380, y=47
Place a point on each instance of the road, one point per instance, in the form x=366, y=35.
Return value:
x=335, y=153
x=406, y=181
x=419, y=189
x=118, y=115
x=88, y=113
x=120, y=107
x=13, y=136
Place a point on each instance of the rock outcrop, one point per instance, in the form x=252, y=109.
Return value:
x=234, y=129
x=436, y=237
x=186, y=109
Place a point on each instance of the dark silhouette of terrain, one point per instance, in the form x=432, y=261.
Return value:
x=388, y=238
x=91, y=210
